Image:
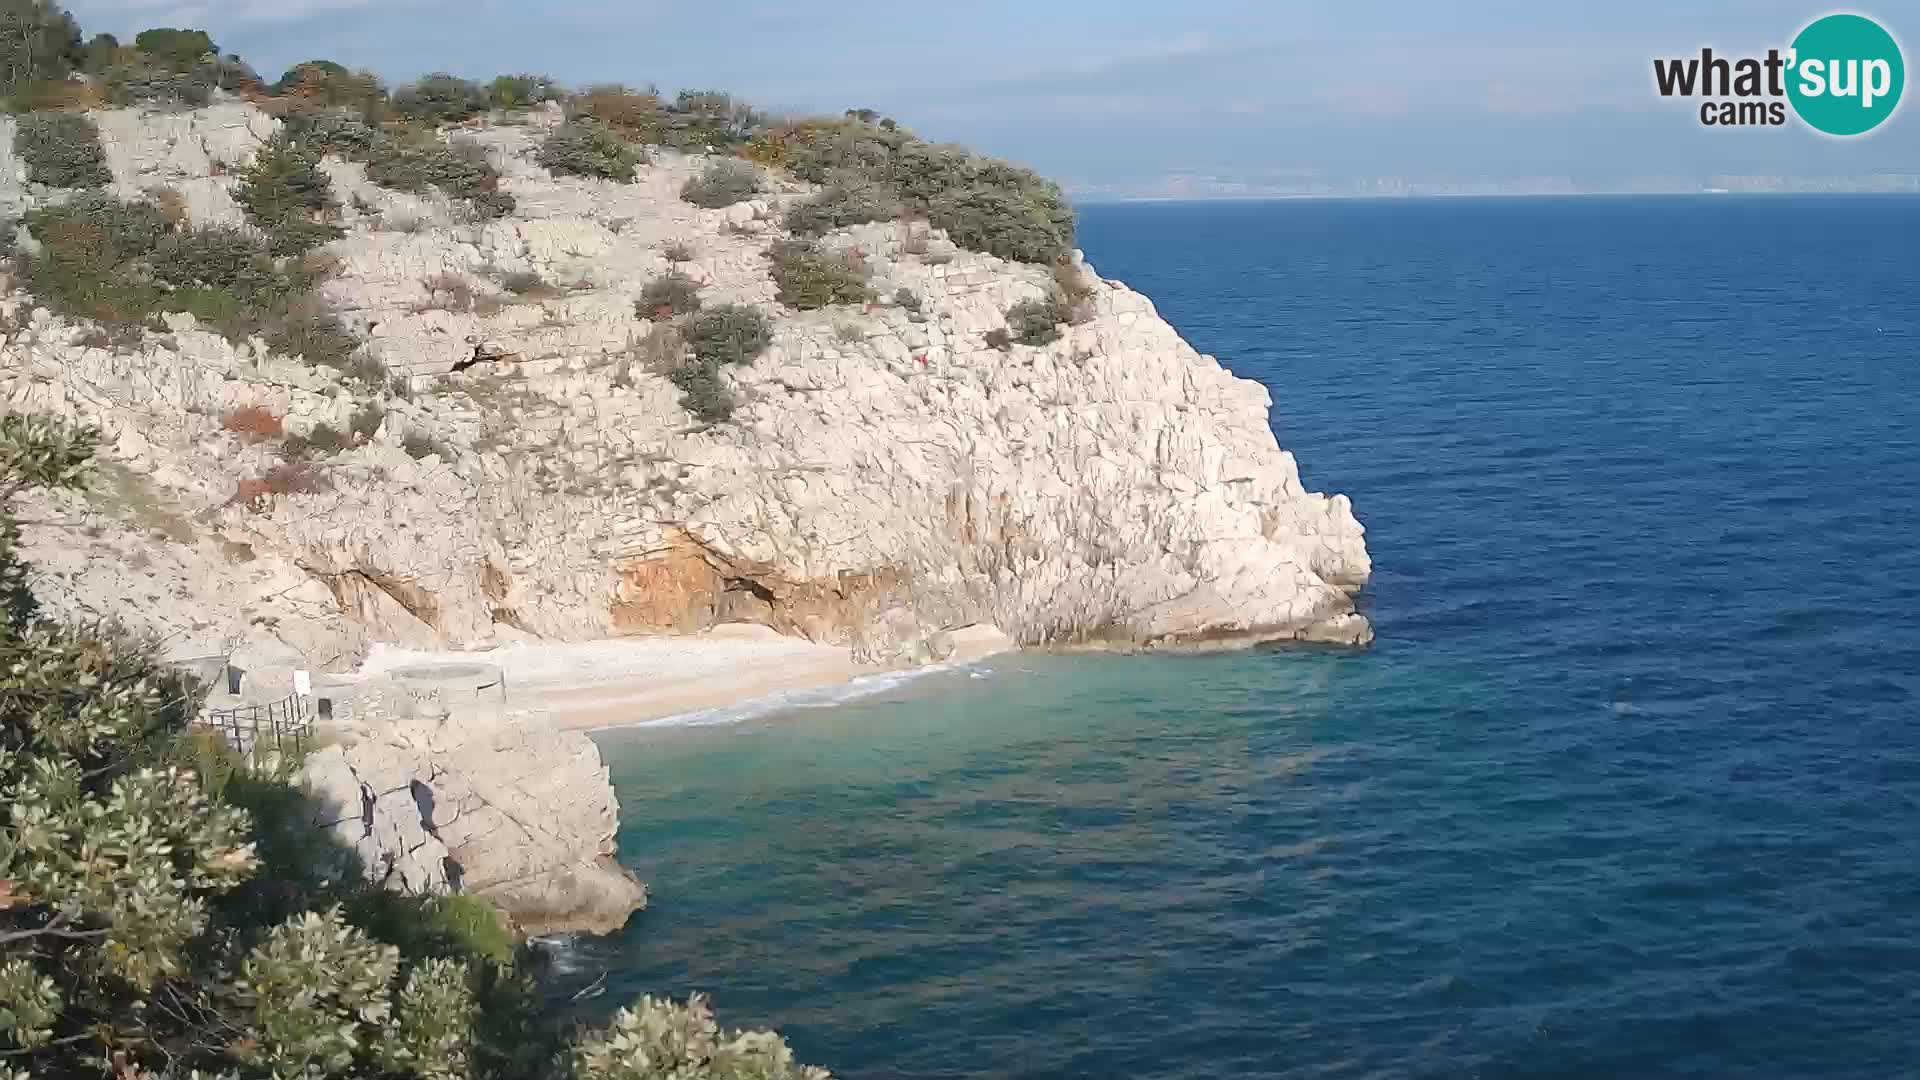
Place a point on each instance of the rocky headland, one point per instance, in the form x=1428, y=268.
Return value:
x=893, y=478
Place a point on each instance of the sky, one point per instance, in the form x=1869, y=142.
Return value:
x=1126, y=98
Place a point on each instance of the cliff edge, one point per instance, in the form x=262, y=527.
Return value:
x=887, y=476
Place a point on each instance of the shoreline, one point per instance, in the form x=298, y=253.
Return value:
x=627, y=682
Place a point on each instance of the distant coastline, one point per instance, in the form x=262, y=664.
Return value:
x=1096, y=197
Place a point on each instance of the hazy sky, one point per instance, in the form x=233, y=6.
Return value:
x=1126, y=94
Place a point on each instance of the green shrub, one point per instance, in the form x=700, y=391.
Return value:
x=633, y=115
x=708, y=120
x=808, y=278
x=667, y=296
x=219, y=257
x=589, y=148
x=439, y=98
x=62, y=150
x=677, y=252
x=1015, y=224
x=999, y=338
x=521, y=91
x=316, y=335
x=984, y=204
x=722, y=183
x=410, y=162
x=139, y=82
x=703, y=392
x=286, y=195
x=728, y=334
x=1037, y=322
x=319, y=86
x=94, y=250
x=907, y=299
x=850, y=199
x=177, y=49
x=39, y=45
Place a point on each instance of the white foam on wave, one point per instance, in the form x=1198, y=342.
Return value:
x=822, y=697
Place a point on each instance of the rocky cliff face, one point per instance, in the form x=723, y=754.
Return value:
x=888, y=477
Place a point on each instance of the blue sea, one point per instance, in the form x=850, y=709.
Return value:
x=1629, y=785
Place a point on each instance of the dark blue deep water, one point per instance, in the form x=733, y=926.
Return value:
x=1629, y=786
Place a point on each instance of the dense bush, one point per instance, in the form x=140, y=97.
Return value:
x=39, y=45
x=407, y=161
x=286, y=195
x=177, y=49
x=439, y=98
x=321, y=85
x=587, y=147
x=634, y=115
x=1037, y=322
x=669, y=295
x=703, y=392
x=141, y=82
x=728, y=334
x=123, y=263
x=807, y=278
x=695, y=121
x=92, y=258
x=61, y=150
x=523, y=91
x=722, y=183
x=851, y=199
x=692, y=351
x=985, y=205
x=708, y=120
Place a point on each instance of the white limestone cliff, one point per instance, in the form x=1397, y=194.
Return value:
x=888, y=478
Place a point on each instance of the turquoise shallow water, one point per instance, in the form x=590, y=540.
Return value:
x=1630, y=785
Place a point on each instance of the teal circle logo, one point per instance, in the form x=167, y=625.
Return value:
x=1846, y=75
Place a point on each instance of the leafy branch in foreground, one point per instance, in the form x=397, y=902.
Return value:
x=168, y=910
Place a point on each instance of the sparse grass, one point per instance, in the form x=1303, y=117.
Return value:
x=446, y=291
x=526, y=283
x=677, y=252
x=420, y=445
x=324, y=440
x=173, y=205
x=848, y=334
x=365, y=422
